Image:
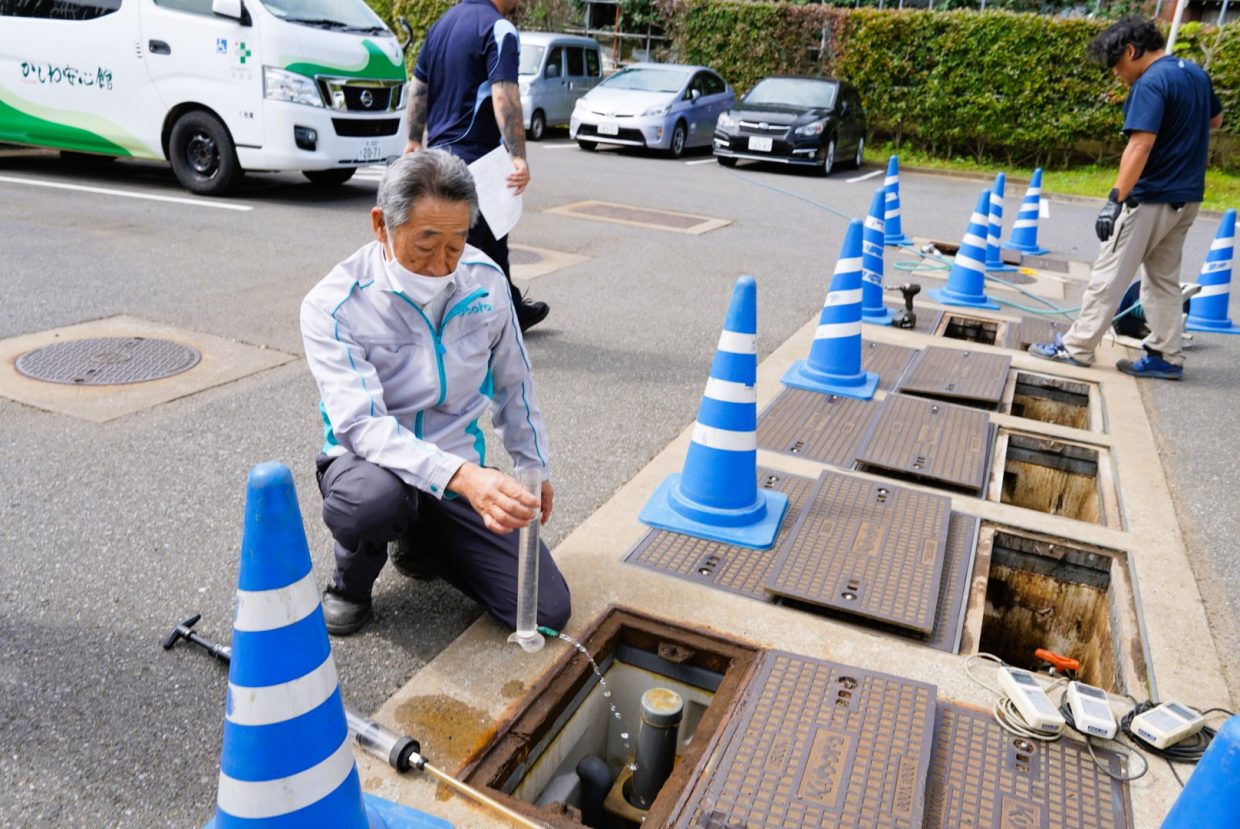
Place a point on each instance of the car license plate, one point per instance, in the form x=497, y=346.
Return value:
x=370, y=151
x=762, y=145
x=608, y=128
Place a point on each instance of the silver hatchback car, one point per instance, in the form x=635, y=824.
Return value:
x=660, y=106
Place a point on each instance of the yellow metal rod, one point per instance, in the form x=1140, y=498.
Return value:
x=473, y=793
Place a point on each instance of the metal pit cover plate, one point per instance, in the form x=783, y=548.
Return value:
x=820, y=427
x=107, y=361
x=886, y=360
x=982, y=776
x=955, y=374
x=1030, y=331
x=734, y=569
x=818, y=744
x=929, y=440
x=869, y=549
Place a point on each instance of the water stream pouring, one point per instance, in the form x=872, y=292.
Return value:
x=526, y=635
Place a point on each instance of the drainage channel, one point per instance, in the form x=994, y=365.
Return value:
x=1055, y=476
x=1049, y=399
x=1071, y=598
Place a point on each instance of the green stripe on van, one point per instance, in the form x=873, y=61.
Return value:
x=377, y=66
x=23, y=128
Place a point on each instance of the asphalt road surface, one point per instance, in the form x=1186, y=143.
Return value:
x=114, y=532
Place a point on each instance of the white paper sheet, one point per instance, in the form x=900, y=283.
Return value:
x=500, y=205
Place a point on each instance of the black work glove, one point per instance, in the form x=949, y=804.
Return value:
x=1104, y=226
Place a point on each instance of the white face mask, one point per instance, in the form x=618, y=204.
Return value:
x=419, y=288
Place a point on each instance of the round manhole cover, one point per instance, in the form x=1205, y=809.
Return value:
x=520, y=256
x=107, y=361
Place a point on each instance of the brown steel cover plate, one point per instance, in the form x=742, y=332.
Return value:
x=818, y=744
x=929, y=440
x=1030, y=331
x=886, y=360
x=734, y=569
x=820, y=427
x=984, y=777
x=957, y=374
x=867, y=548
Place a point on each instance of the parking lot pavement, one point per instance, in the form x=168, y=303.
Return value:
x=115, y=531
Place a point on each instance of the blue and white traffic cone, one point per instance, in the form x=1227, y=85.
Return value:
x=893, y=234
x=1207, y=311
x=716, y=496
x=287, y=758
x=1024, y=236
x=834, y=362
x=1211, y=797
x=994, y=262
x=872, y=308
x=966, y=283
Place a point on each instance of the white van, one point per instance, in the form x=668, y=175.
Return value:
x=217, y=87
x=555, y=71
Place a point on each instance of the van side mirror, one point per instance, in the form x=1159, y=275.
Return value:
x=553, y=70
x=231, y=9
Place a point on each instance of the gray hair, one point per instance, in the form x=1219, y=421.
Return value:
x=426, y=173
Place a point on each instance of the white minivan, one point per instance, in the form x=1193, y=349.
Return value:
x=217, y=87
x=555, y=71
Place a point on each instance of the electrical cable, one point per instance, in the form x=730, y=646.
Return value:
x=1188, y=750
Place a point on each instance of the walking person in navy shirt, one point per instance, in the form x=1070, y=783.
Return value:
x=465, y=99
x=1170, y=111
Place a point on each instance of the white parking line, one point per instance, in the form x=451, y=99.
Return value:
x=701, y=161
x=129, y=194
x=867, y=175
x=556, y=146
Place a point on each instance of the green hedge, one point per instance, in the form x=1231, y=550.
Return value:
x=993, y=85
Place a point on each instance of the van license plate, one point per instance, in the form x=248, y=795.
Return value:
x=370, y=151
x=608, y=128
x=760, y=144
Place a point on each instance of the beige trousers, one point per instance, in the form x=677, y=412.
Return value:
x=1151, y=235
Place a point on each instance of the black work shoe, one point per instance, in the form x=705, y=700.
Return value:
x=530, y=314
x=409, y=562
x=344, y=615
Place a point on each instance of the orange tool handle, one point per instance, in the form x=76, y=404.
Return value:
x=1061, y=663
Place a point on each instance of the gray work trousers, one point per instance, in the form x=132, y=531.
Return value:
x=1151, y=235
x=366, y=506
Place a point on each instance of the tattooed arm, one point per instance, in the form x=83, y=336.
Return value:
x=417, y=115
x=506, y=99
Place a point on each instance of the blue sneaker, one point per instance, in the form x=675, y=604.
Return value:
x=1151, y=365
x=1056, y=351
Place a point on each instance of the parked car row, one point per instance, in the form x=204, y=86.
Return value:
x=669, y=107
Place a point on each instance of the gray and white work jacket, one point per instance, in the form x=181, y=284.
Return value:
x=405, y=394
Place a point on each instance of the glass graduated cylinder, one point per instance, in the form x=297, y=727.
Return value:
x=526, y=634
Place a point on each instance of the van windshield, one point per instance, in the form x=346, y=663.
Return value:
x=531, y=59
x=351, y=15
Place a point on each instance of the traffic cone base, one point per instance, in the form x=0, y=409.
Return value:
x=755, y=526
x=1205, y=326
x=946, y=296
x=883, y=317
x=800, y=375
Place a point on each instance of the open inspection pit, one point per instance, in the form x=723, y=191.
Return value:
x=1072, y=598
x=974, y=329
x=1055, y=476
x=566, y=718
x=1050, y=399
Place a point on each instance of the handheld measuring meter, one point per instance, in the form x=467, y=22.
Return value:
x=1030, y=700
x=1090, y=712
x=1167, y=724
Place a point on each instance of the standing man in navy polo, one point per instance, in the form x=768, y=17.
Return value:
x=466, y=100
x=1170, y=111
